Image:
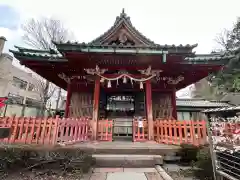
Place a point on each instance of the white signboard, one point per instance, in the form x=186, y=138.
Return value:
x=140, y=124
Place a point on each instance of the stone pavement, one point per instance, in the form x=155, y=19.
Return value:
x=125, y=174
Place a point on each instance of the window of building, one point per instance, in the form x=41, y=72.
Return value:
x=32, y=102
x=19, y=83
x=15, y=99
x=184, y=115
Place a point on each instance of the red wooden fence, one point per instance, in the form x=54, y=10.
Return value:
x=73, y=130
x=105, y=130
x=180, y=132
x=47, y=131
x=50, y=131
x=140, y=130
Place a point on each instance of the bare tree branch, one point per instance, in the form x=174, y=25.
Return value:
x=40, y=34
x=45, y=90
x=223, y=40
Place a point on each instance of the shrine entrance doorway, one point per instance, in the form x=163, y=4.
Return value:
x=122, y=107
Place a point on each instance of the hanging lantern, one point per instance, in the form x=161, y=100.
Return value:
x=102, y=80
x=117, y=82
x=141, y=85
x=109, y=84
x=124, y=79
x=131, y=81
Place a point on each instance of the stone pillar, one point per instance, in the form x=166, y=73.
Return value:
x=149, y=110
x=96, y=97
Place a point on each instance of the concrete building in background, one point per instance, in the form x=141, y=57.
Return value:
x=16, y=84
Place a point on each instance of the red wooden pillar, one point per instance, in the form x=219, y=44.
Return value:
x=149, y=110
x=96, y=107
x=174, y=106
x=68, y=100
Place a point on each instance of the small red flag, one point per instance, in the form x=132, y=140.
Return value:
x=2, y=101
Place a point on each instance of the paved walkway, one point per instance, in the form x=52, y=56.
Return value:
x=125, y=174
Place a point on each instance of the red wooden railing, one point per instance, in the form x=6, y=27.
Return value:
x=52, y=131
x=45, y=131
x=73, y=130
x=180, y=132
x=105, y=130
x=140, y=130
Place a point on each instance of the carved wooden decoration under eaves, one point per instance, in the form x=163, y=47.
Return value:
x=162, y=105
x=81, y=104
x=123, y=37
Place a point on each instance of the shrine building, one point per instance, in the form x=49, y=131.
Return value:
x=121, y=75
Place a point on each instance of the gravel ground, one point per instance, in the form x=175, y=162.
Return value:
x=178, y=172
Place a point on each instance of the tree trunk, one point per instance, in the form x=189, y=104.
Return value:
x=42, y=110
x=58, y=98
x=45, y=98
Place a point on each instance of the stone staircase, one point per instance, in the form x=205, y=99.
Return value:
x=131, y=155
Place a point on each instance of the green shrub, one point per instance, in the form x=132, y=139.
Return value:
x=188, y=153
x=203, y=164
x=60, y=160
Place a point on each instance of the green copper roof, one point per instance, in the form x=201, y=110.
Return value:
x=155, y=46
x=208, y=58
x=48, y=55
x=54, y=56
x=70, y=46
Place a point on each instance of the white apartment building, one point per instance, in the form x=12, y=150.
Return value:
x=15, y=83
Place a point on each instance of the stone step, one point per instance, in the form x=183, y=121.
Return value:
x=139, y=151
x=168, y=155
x=127, y=160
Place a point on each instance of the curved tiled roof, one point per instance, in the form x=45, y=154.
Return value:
x=202, y=103
x=155, y=46
x=124, y=19
x=145, y=46
x=208, y=57
x=232, y=108
x=47, y=54
x=52, y=55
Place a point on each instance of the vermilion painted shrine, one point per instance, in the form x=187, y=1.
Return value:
x=123, y=76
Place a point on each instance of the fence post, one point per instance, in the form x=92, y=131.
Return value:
x=55, y=130
x=192, y=132
x=5, y=110
x=213, y=155
x=204, y=131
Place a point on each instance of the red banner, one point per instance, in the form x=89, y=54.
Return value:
x=2, y=101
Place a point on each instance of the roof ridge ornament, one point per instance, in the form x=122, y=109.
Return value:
x=124, y=16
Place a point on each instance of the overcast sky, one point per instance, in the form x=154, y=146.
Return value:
x=163, y=21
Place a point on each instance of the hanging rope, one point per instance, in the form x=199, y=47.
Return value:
x=126, y=75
